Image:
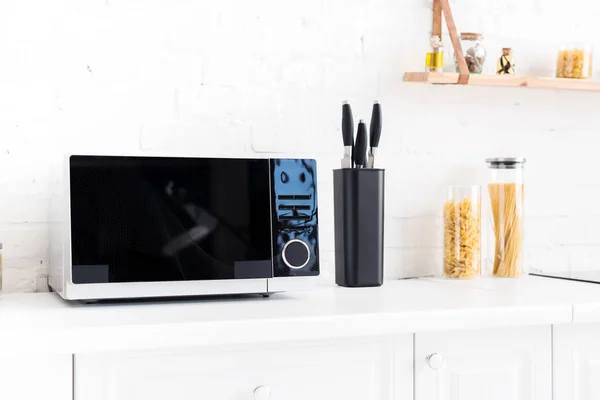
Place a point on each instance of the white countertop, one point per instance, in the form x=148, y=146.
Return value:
x=44, y=322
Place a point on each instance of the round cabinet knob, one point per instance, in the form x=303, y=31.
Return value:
x=262, y=393
x=435, y=361
x=295, y=254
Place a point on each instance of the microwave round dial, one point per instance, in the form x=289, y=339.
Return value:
x=295, y=254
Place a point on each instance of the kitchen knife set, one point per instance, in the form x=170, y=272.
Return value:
x=355, y=151
x=358, y=205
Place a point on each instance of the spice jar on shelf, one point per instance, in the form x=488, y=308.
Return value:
x=505, y=65
x=462, y=228
x=434, y=59
x=475, y=53
x=505, y=211
x=574, y=61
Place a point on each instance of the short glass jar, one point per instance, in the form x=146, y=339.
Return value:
x=462, y=232
x=574, y=61
x=475, y=53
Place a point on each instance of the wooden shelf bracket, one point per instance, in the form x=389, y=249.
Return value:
x=443, y=7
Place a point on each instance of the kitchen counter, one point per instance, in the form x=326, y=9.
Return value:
x=45, y=323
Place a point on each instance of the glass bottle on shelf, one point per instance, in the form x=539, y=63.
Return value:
x=505, y=65
x=434, y=60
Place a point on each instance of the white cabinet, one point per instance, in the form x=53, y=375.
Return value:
x=33, y=377
x=495, y=364
x=370, y=368
x=577, y=362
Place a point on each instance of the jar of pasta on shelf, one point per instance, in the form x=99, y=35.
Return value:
x=462, y=228
x=505, y=212
x=574, y=61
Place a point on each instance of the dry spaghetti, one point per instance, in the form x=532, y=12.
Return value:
x=462, y=239
x=507, y=217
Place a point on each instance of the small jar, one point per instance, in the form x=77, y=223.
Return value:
x=505, y=212
x=434, y=60
x=505, y=65
x=462, y=232
x=574, y=61
x=475, y=53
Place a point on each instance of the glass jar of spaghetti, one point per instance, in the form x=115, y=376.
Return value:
x=505, y=198
x=462, y=228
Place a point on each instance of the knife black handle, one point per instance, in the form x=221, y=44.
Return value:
x=376, y=125
x=360, y=147
x=347, y=125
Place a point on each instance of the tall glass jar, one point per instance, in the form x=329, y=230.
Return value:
x=462, y=232
x=475, y=53
x=505, y=212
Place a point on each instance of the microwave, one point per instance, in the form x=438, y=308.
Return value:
x=138, y=227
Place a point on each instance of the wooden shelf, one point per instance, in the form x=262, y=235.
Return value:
x=504, y=81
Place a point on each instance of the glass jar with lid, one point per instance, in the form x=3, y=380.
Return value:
x=505, y=212
x=475, y=53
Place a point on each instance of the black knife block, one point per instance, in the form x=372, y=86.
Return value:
x=358, y=197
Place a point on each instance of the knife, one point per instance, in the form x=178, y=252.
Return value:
x=347, y=135
x=375, y=133
x=360, y=147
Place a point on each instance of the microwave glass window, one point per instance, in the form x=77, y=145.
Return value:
x=169, y=219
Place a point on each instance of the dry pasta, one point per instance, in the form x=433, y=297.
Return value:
x=507, y=217
x=462, y=243
x=575, y=63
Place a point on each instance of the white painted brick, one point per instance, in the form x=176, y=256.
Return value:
x=24, y=276
x=403, y=263
x=25, y=241
x=25, y=208
x=266, y=79
x=415, y=232
x=547, y=258
x=584, y=258
x=413, y=201
x=18, y=279
x=327, y=260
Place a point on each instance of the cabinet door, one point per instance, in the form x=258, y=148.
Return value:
x=377, y=369
x=577, y=362
x=498, y=364
x=33, y=377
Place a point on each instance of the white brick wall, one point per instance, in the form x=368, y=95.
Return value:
x=235, y=78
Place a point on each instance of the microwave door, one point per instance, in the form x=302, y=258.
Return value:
x=138, y=219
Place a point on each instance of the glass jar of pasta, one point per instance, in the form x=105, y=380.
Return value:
x=574, y=61
x=462, y=228
x=505, y=211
